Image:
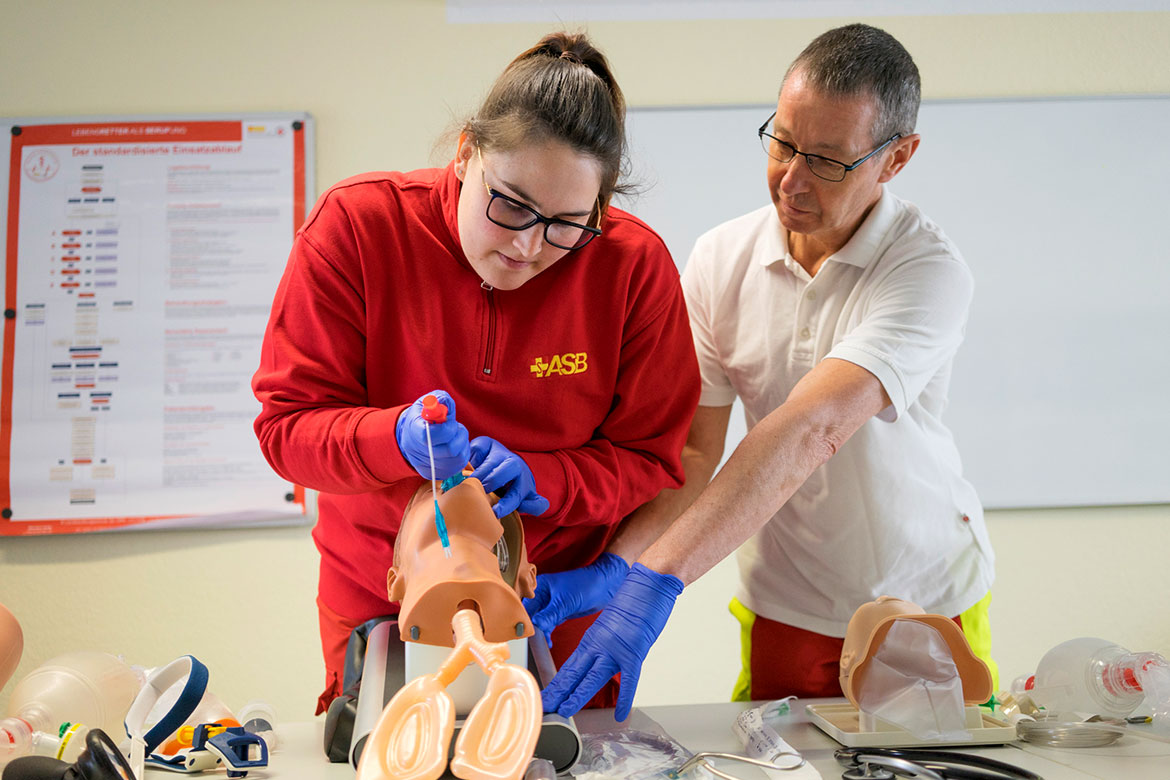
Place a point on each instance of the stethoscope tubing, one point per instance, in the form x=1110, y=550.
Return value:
x=939, y=763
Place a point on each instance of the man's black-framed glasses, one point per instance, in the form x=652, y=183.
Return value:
x=510, y=213
x=822, y=167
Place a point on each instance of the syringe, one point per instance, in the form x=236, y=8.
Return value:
x=435, y=412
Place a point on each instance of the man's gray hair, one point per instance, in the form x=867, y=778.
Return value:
x=859, y=59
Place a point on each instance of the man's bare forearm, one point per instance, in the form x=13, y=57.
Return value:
x=768, y=466
x=700, y=456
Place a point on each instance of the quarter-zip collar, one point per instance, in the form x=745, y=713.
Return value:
x=446, y=203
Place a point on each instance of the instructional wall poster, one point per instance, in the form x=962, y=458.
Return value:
x=142, y=256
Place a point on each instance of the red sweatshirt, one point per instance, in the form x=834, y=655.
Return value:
x=587, y=371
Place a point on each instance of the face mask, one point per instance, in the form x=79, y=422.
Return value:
x=100, y=760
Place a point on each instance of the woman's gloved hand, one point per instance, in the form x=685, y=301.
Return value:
x=505, y=473
x=564, y=595
x=618, y=641
x=449, y=439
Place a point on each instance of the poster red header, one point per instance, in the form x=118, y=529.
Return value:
x=129, y=132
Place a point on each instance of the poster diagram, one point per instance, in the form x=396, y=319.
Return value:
x=141, y=259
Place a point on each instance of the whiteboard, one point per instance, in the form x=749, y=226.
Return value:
x=1060, y=394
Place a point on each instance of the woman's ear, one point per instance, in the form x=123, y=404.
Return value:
x=463, y=153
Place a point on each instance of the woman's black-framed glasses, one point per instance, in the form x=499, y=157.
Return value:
x=822, y=167
x=510, y=213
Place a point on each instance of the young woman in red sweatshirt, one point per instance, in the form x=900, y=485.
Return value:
x=553, y=322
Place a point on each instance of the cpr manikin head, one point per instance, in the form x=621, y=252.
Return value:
x=431, y=587
x=11, y=644
x=872, y=622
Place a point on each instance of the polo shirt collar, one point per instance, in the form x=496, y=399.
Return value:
x=862, y=248
x=772, y=245
x=859, y=251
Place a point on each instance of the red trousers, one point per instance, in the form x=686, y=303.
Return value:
x=790, y=661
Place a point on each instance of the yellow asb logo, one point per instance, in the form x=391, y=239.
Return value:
x=568, y=363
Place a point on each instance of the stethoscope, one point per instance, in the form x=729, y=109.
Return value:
x=887, y=763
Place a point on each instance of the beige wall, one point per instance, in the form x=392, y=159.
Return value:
x=383, y=79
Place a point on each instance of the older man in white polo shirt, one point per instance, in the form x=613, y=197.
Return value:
x=835, y=314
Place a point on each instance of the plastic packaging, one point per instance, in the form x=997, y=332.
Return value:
x=257, y=717
x=84, y=686
x=762, y=741
x=629, y=754
x=914, y=683
x=540, y=769
x=1090, y=676
x=1015, y=707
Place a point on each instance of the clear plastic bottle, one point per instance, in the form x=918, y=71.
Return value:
x=83, y=686
x=259, y=718
x=1090, y=676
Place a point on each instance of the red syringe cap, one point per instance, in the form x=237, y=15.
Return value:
x=433, y=411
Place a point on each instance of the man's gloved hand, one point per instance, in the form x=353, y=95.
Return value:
x=575, y=593
x=498, y=467
x=449, y=439
x=616, y=642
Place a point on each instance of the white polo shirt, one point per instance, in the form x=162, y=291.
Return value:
x=890, y=512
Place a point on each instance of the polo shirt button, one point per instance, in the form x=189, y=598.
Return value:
x=805, y=333
x=812, y=295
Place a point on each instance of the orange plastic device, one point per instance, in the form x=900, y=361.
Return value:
x=432, y=587
x=497, y=741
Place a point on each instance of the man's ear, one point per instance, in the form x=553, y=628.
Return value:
x=903, y=150
x=463, y=153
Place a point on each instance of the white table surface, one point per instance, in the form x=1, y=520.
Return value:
x=708, y=727
x=299, y=754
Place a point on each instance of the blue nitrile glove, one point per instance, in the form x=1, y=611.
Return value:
x=616, y=642
x=575, y=593
x=448, y=439
x=505, y=473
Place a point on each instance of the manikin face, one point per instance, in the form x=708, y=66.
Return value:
x=551, y=178
x=824, y=212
